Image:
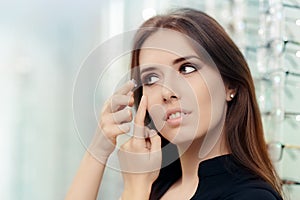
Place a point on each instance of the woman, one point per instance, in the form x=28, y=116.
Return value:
x=197, y=95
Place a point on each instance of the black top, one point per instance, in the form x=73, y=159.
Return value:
x=221, y=178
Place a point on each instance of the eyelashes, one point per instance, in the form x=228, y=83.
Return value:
x=150, y=79
x=184, y=69
x=187, y=68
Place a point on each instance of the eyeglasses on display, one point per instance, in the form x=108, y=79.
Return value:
x=289, y=182
x=275, y=150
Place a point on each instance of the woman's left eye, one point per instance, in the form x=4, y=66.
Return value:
x=187, y=68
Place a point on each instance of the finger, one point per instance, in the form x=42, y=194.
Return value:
x=147, y=139
x=124, y=128
x=116, y=129
x=122, y=116
x=118, y=102
x=151, y=136
x=127, y=87
x=152, y=133
x=141, y=112
x=140, y=118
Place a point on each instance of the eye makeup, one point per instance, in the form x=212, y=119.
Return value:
x=150, y=79
x=152, y=74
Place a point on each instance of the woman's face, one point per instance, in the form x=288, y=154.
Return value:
x=186, y=96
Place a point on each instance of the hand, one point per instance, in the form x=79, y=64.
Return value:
x=115, y=120
x=140, y=158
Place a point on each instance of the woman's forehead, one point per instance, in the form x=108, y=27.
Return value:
x=167, y=40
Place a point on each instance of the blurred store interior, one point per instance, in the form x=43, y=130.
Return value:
x=45, y=44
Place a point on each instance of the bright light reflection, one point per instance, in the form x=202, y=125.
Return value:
x=148, y=13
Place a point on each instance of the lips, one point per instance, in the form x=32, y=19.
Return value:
x=172, y=114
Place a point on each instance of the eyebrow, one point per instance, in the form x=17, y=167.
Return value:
x=176, y=61
x=148, y=69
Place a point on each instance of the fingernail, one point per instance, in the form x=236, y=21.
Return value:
x=143, y=99
x=134, y=82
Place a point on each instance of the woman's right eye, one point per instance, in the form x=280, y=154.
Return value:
x=150, y=79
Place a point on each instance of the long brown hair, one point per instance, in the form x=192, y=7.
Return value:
x=243, y=125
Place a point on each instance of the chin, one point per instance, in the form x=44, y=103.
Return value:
x=181, y=142
x=179, y=137
x=183, y=136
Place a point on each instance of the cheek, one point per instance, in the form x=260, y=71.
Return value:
x=210, y=102
x=155, y=108
x=215, y=112
x=156, y=112
x=211, y=97
x=217, y=103
x=199, y=93
x=202, y=107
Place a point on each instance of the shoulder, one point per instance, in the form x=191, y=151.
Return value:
x=247, y=186
x=253, y=193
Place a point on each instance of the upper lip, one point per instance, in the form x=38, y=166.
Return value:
x=175, y=110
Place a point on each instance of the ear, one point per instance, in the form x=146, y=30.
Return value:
x=230, y=92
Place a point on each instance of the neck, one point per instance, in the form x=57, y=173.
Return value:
x=189, y=157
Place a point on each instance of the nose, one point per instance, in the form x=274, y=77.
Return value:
x=171, y=86
x=168, y=94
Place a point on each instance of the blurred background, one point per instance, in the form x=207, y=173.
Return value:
x=43, y=45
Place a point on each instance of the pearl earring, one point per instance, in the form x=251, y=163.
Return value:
x=231, y=96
